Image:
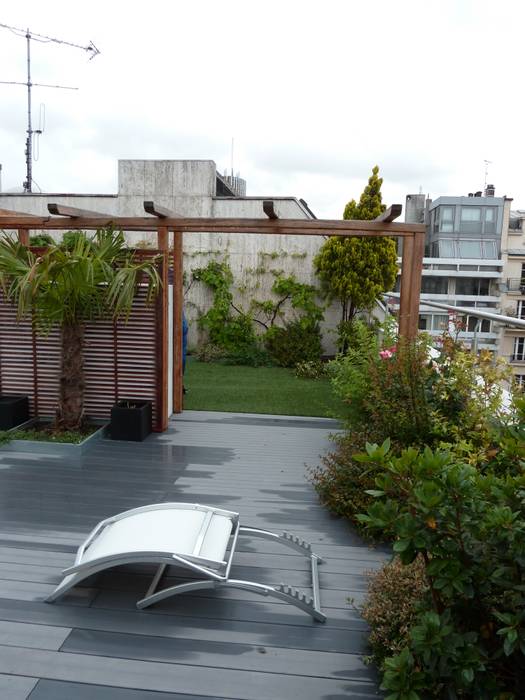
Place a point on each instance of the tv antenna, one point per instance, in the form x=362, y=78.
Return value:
x=90, y=48
x=487, y=163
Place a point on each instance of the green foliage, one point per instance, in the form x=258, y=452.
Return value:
x=71, y=238
x=340, y=480
x=397, y=392
x=232, y=333
x=296, y=342
x=370, y=203
x=41, y=240
x=95, y=278
x=469, y=528
x=310, y=369
x=357, y=271
x=232, y=329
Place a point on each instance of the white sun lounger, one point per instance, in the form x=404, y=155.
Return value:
x=200, y=538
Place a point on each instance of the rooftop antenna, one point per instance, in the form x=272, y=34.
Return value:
x=90, y=48
x=487, y=163
x=232, y=157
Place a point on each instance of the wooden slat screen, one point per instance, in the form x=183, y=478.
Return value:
x=121, y=361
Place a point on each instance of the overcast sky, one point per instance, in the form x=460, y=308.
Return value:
x=314, y=94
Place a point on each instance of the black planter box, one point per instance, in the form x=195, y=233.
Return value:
x=13, y=411
x=131, y=420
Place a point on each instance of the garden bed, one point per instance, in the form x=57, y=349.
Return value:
x=37, y=437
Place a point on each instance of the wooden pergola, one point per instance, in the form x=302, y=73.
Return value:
x=163, y=222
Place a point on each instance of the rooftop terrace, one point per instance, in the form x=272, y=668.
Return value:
x=96, y=645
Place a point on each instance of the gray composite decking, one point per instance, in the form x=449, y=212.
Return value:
x=95, y=645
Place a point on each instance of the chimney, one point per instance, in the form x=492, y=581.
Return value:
x=490, y=191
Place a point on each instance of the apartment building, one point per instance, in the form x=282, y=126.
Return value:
x=463, y=264
x=513, y=291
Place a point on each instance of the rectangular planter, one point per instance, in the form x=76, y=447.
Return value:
x=43, y=447
x=131, y=420
x=14, y=410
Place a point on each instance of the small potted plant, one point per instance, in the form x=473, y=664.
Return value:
x=131, y=420
x=14, y=410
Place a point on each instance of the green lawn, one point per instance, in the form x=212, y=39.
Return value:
x=275, y=390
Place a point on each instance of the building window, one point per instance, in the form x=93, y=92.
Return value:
x=425, y=322
x=446, y=219
x=470, y=249
x=520, y=380
x=470, y=221
x=434, y=285
x=489, y=250
x=481, y=324
x=520, y=310
x=519, y=349
x=440, y=322
x=490, y=220
x=470, y=286
x=446, y=248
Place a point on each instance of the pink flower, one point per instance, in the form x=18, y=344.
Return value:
x=387, y=353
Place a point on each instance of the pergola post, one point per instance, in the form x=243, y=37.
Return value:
x=178, y=293
x=163, y=339
x=23, y=236
x=411, y=269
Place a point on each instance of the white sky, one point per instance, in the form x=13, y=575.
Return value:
x=315, y=94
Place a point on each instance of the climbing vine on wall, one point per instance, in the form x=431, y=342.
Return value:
x=288, y=322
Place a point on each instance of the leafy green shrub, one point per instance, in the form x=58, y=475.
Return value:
x=296, y=342
x=391, y=605
x=468, y=639
x=340, y=480
x=310, y=369
x=41, y=240
x=209, y=353
x=70, y=238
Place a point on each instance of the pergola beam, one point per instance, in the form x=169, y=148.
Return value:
x=393, y=212
x=268, y=208
x=160, y=212
x=72, y=212
x=303, y=227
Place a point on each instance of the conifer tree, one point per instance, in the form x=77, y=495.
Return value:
x=357, y=271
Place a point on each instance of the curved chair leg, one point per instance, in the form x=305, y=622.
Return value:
x=286, y=593
x=67, y=583
x=175, y=590
x=286, y=538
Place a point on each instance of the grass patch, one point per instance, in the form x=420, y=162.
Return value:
x=274, y=390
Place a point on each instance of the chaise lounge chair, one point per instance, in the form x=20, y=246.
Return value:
x=193, y=536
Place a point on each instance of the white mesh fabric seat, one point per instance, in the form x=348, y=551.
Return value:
x=196, y=537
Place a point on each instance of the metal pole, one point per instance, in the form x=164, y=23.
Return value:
x=29, y=149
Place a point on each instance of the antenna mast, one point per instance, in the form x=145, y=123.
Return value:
x=487, y=163
x=30, y=131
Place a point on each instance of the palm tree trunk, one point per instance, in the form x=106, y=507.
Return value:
x=70, y=411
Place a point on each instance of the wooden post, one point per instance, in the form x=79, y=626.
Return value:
x=415, y=284
x=406, y=283
x=23, y=236
x=412, y=267
x=163, y=245
x=178, y=293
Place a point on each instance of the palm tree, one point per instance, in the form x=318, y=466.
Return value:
x=67, y=286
